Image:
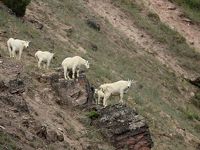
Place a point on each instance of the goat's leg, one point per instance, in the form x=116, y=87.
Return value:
x=66, y=73
x=10, y=50
x=73, y=72
x=20, y=54
x=78, y=73
x=121, y=97
x=48, y=63
x=98, y=100
x=106, y=96
x=39, y=63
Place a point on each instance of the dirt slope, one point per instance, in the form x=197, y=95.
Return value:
x=173, y=16
x=124, y=24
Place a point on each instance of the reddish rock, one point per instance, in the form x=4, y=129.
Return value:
x=124, y=128
x=72, y=92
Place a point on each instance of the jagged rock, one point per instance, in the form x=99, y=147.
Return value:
x=16, y=86
x=93, y=24
x=69, y=30
x=94, y=47
x=195, y=82
x=3, y=87
x=15, y=101
x=124, y=128
x=41, y=131
x=171, y=8
x=48, y=134
x=73, y=92
x=37, y=24
x=29, y=136
x=42, y=78
x=52, y=136
x=60, y=137
x=187, y=20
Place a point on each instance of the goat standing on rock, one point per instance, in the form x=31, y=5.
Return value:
x=15, y=45
x=44, y=56
x=99, y=94
x=75, y=64
x=116, y=88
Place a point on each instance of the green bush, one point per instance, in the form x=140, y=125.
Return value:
x=17, y=6
x=192, y=115
x=93, y=115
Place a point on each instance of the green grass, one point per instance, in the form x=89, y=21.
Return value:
x=191, y=115
x=92, y=115
x=7, y=142
x=191, y=8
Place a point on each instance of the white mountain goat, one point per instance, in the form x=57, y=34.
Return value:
x=75, y=64
x=15, y=45
x=44, y=56
x=99, y=94
x=117, y=88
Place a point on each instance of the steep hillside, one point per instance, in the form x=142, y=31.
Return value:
x=177, y=19
x=133, y=43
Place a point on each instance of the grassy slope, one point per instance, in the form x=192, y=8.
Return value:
x=176, y=44
x=191, y=8
x=116, y=58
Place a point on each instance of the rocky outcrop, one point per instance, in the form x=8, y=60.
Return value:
x=49, y=134
x=72, y=92
x=124, y=128
x=92, y=23
x=10, y=94
x=121, y=125
x=195, y=82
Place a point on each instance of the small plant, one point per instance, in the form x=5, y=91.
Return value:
x=153, y=16
x=6, y=142
x=17, y=6
x=93, y=115
x=196, y=100
x=191, y=115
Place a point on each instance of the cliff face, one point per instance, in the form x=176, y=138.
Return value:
x=119, y=124
x=124, y=127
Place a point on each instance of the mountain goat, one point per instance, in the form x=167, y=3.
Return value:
x=15, y=45
x=99, y=94
x=75, y=64
x=44, y=56
x=117, y=88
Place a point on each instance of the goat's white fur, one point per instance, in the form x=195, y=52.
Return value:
x=44, y=56
x=15, y=45
x=116, y=88
x=99, y=94
x=74, y=63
